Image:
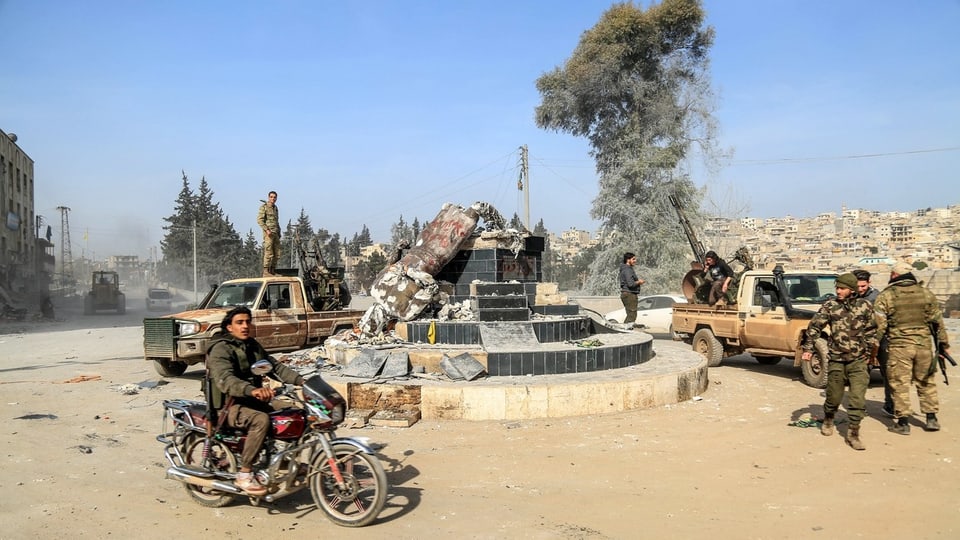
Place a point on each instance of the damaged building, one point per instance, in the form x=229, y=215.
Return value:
x=26, y=253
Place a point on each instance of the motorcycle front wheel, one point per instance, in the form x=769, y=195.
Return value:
x=219, y=458
x=364, y=493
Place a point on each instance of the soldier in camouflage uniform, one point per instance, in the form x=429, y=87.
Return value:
x=852, y=339
x=269, y=220
x=904, y=311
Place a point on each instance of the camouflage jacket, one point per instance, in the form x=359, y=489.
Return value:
x=904, y=311
x=852, y=328
x=269, y=218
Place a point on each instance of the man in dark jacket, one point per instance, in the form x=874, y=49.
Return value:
x=629, y=287
x=237, y=392
x=719, y=273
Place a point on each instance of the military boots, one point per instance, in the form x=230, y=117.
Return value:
x=902, y=427
x=826, y=429
x=853, y=438
x=932, y=423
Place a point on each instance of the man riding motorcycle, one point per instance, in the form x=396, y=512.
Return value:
x=237, y=394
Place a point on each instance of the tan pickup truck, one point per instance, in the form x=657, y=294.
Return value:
x=772, y=310
x=287, y=315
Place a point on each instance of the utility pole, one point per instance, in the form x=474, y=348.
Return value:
x=523, y=184
x=196, y=298
x=66, y=257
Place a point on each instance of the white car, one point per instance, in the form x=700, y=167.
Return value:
x=159, y=300
x=654, y=313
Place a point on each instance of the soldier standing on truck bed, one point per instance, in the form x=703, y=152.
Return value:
x=269, y=220
x=905, y=311
x=853, y=336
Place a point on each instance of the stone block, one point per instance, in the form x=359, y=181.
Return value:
x=501, y=315
x=487, y=302
x=395, y=418
x=548, y=288
x=488, y=289
x=549, y=299
x=444, y=403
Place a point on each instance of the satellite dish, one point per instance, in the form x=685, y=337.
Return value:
x=13, y=136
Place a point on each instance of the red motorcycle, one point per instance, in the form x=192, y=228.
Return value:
x=345, y=477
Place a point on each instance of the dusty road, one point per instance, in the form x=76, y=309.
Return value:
x=80, y=461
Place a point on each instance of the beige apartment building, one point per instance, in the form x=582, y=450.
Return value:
x=26, y=259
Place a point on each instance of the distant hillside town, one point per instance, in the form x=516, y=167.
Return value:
x=927, y=238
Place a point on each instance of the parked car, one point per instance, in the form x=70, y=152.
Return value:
x=654, y=313
x=159, y=300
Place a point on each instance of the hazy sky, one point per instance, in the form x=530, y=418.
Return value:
x=360, y=112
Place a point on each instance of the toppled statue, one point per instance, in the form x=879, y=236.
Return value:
x=407, y=286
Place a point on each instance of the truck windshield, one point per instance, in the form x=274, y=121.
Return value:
x=810, y=288
x=235, y=294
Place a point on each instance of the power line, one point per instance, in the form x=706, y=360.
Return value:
x=584, y=163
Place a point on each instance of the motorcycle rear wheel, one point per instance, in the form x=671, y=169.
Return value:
x=220, y=459
x=365, y=494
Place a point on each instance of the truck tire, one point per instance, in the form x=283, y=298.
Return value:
x=169, y=368
x=121, y=304
x=815, y=371
x=705, y=343
x=768, y=360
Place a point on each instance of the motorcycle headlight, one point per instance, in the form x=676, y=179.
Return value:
x=185, y=328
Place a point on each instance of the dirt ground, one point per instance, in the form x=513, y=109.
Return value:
x=80, y=460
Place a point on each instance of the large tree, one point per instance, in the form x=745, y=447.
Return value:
x=637, y=87
x=199, y=227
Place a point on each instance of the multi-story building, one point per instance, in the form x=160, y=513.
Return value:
x=24, y=256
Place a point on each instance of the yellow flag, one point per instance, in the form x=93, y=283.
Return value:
x=432, y=333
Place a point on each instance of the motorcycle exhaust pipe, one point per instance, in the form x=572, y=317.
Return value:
x=176, y=473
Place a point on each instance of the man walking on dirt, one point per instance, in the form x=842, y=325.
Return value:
x=851, y=341
x=905, y=311
x=269, y=220
x=629, y=287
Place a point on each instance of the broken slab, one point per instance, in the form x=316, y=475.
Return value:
x=366, y=364
x=397, y=365
x=463, y=367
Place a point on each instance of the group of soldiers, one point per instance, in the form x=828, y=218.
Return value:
x=895, y=329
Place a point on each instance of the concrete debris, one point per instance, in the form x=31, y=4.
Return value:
x=458, y=311
x=129, y=389
x=304, y=358
x=463, y=367
x=357, y=418
x=586, y=343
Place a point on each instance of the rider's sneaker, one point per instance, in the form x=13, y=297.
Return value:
x=248, y=483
